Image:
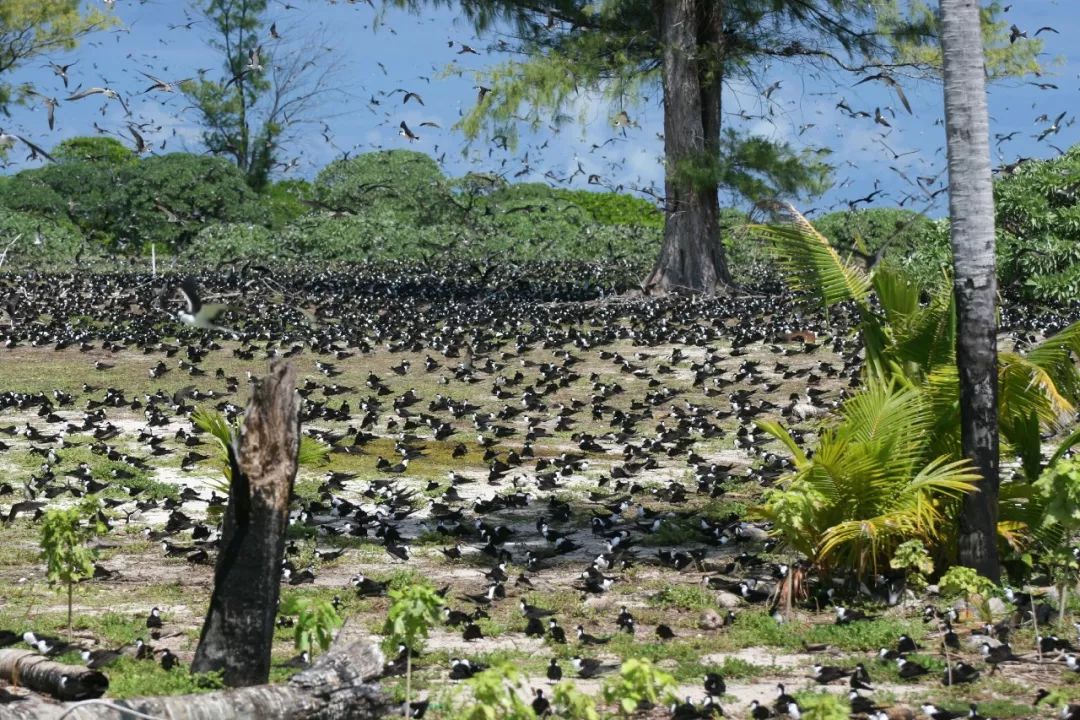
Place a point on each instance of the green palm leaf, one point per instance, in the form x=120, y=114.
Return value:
x=810, y=263
x=1057, y=356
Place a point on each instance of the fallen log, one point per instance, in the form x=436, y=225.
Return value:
x=37, y=672
x=333, y=688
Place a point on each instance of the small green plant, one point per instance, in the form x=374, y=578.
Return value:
x=497, y=695
x=316, y=621
x=573, y=704
x=913, y=558
x=311, y=452
x=1059, y=488
x=64, y=537
x=822, y=706
x=966, y=582
x=414, y=610
x=638, y=685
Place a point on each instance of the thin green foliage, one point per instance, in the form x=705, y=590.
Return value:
x=65, y=534
x=316, y=621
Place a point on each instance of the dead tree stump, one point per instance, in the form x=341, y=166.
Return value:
x=239, y=628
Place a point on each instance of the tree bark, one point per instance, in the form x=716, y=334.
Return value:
x=333, y=688
x=691, y=257
x=64, y=682
x=971, y=207
x=239, y=628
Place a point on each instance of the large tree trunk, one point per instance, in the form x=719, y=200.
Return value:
x=691, y=258
x=239, y=627
x=971, y=206
x=333, y=688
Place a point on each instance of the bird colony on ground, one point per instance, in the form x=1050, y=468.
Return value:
x=573, y=470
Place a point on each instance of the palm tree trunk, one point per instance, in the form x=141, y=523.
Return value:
x=691, y=257
x=971, y=207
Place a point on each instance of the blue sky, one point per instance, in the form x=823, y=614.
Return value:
x=417, y=51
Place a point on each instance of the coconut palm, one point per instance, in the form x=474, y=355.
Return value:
x=871, y=483
x=971, y=213
x=911, y=339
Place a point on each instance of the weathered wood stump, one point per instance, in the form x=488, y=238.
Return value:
x=239, y=628
x=37, y=672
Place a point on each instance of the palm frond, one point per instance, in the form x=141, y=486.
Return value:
x=926, y=337
x=216, y=425
x=810, y=263
x=899, y=296
x=779, y=432
x=1066, y=445
x=1025, y=387
x=311, y=452
x=1057, y=356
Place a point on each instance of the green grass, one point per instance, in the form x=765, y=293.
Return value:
x=136, y=678
x=687, y=597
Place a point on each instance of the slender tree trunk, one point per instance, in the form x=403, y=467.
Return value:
x=971, y=207
x=691, y=257
x=239, y=628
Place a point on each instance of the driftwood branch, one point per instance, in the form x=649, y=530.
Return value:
x=65, y=682
x=239, y=629
x=333, y=688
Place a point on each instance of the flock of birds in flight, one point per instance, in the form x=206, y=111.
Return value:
x=601, y=166
x=644, y=409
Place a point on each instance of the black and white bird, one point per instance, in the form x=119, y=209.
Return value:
x=861, y=705
x=960, y=672
x=860, y=678
x=825, y=674
x=714, y=685
x=935, y=713
x=909, y=669
x=197, y=313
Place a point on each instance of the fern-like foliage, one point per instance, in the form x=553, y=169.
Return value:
x=872, y=482
x=310, y=454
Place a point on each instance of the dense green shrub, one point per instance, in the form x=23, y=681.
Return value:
x=224, y=242
x=96, y=149
x=169, y=198
x=86, y=189
x=408, y=183
x=608, y=208
x=28, y=192
x=323, y=237
x=32, y=240
x=913, y=241
x=283, y=201
x=1038, y=213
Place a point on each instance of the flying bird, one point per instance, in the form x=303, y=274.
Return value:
x=61, y=70
x=892, y=83
x=7, y=141
x=106, y=92
x=405, y=132
x=197, y=313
